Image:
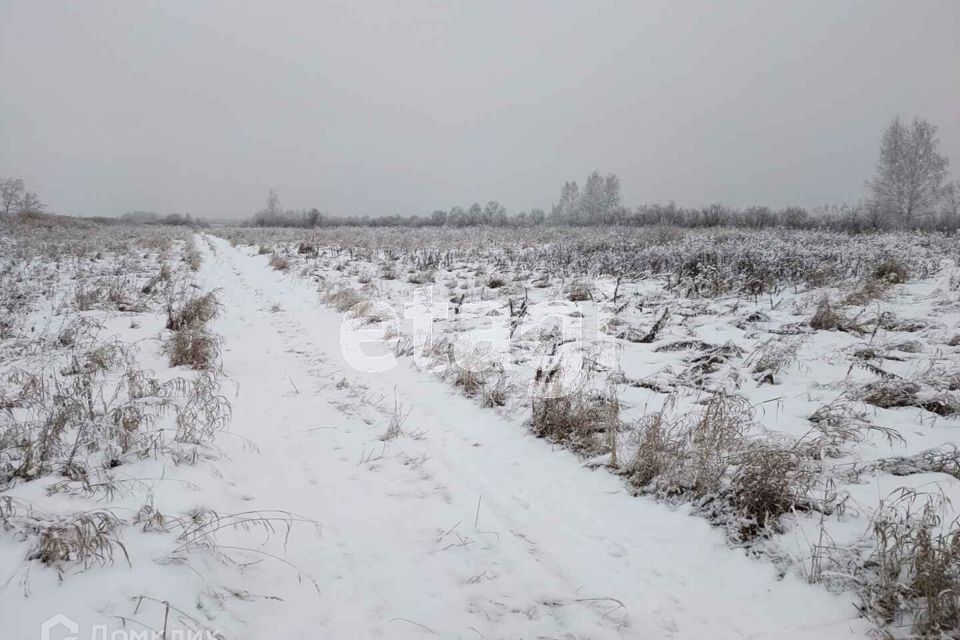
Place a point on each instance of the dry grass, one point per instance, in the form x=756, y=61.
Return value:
x=656, y=453
x=495, y=394
x=279, y=262
x=195, y=311
x=192, y=257
x=913, y=575
x=193, y=347
x=825, y=318
x=891, y=270
x=576, y=417
x=896, y=392
x=705, y=457
x=769, y=481
x=397, y=419
x=89, y=538
x=579, y=292
x=839, y=424
x=343, y=299
x=772, y=357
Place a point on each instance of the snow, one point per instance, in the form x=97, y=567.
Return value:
x=463, y=526
x=472, y=529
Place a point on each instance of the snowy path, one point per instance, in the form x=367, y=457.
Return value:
x=554, y=550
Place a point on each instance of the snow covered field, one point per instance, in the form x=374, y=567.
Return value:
x=742, y=435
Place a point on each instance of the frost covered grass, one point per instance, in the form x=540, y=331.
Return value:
x=766, y=379
x=109, y=373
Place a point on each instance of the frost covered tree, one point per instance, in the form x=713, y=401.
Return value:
x=611, y=193
x=495, y=214
x=567, y=209
x=272, y=213
x=910, y=174
x=598, y=203
x=11, y=195
x=15, y=199
x=30, y=203
x=273, y=204
x=593, y=199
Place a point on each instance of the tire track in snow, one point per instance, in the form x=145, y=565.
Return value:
x=566, y=539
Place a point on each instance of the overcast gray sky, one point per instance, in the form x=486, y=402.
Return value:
x=407, y=106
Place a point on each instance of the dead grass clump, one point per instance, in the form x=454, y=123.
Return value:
x=943, y=459
x=825, y=318
x=89, y=538
x=579, y=292
x=891, y=270
x=164, y=276
x=307, y=249
x=421, y=277
x=867, y=291
x=891, y=393
x=694, y=453
x=87, y=296
x=85, y=537
x=896, y=392
x=657, y=451
x=578, y=418
x=912, y=578
x=279, y=262
x=343, y=299
x=7, y=325
x=195, y=311
x=770, y=480
x=204, y=413
x=714, y=437
x=191, y=255
x=469, y=379
x=837, y=424
x=194, y=347
x=397, y=419
x=495, y=395
x=772, y=357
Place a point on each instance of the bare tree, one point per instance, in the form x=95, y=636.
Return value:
x=11, y=195
x=909, y=181
x=30, y=203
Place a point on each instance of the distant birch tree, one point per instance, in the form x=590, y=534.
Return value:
x=910, y=174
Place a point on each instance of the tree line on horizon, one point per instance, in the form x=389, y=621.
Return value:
x=910, y=190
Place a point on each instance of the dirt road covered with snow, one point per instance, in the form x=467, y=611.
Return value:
x=465, y=525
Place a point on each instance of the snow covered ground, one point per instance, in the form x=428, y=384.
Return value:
x=467, y=526
x=389, y=504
